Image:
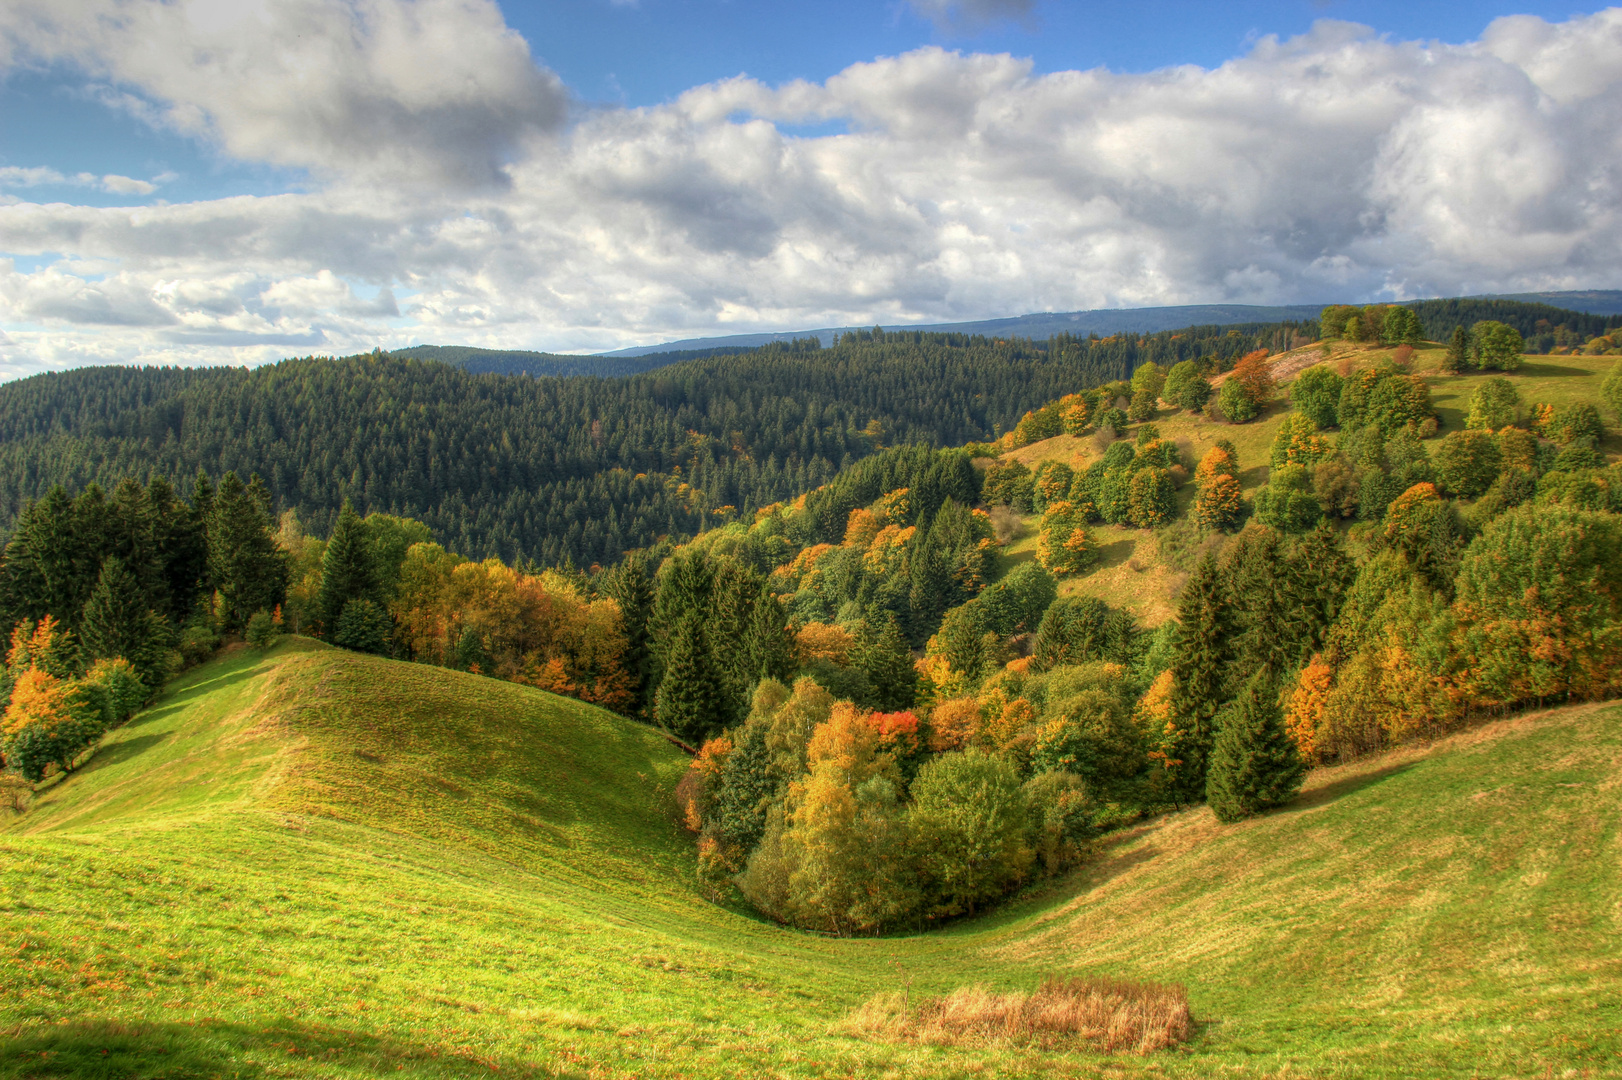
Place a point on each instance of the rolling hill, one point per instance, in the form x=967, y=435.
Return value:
x=1135, y=573
x=311, y=863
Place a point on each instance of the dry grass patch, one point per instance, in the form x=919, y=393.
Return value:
x=1107, y=1014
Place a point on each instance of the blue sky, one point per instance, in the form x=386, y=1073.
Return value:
x=218, y=180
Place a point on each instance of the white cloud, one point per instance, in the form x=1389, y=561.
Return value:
x=435, y=90
x=1337, y=165
x=16, y=176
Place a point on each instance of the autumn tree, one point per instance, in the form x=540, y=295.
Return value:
x=1248, y=389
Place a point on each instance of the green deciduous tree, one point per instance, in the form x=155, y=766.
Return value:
x=1495, y=346
x=968, y=817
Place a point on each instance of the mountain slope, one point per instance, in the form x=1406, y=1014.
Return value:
x=313, y=863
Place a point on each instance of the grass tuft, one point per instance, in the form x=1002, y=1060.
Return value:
x=1107, y=1014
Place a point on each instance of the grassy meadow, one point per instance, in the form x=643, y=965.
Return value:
x=312, y=863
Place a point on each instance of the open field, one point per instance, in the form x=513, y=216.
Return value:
x=318, y=864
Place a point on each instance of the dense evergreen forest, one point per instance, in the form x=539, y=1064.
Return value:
x=558, y=470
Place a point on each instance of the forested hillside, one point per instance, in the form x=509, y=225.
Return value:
x=557, y=469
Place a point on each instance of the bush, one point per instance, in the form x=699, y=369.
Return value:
x=197, y=643
x=1286, y=501
x=364, y=627
x=1496, y=404
x=264, y=630
x=1467, y=463
x=117, y=688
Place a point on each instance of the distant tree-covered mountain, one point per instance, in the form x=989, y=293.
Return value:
x=574, y=468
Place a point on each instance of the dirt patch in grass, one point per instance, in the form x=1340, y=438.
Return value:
x=1107, y=1014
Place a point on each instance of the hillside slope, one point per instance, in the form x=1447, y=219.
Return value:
x=313, y=863
x=1135, y=573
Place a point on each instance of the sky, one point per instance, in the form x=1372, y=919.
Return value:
x=198, y=181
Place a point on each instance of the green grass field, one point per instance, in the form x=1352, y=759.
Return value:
x=317, y=864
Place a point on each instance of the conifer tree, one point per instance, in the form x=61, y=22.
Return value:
x=631, y=586
x=1204, y=650
x=1255, y=764
x=766, y=640
x=1458, y=351
x=114, y=621
x=363, y=626
x=247, y=568
x=690, y=698
x=346, y=569
x=887, y=660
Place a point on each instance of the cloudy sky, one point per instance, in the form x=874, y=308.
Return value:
x=234, y=181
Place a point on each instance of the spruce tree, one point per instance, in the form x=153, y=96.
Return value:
x=114, y=620
x=631, y=586
x=346, y=569
x=363, y=626
x=690, y=699
x=1255, y=764
x=1200, y=679
x=767, y=642
x=248, y=569
x=1458, y=351
x=887, y=661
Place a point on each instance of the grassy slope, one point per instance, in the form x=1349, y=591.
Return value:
x=1131, y=572
x=318, y=864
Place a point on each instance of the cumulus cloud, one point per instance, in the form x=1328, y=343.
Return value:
x=1338, y=165
x=440, y=91
x=17, y=176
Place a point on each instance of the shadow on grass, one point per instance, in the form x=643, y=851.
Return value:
x=113, y=1050
x=1309, y=800
x=1113, y=555
x=171, y=701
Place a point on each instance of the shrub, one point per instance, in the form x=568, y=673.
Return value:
x=117, y=688
x=364, y=627
x=1495, y=404
x=1316, y=394
x=197, y=643
x=1467, y=463
x=264, y=629
x=1109, y=1014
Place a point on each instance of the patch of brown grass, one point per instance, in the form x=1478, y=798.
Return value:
x=1108, y=1014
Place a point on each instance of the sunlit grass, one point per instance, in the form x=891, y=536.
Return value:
x=316, y=864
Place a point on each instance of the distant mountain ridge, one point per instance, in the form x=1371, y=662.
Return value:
x=1037, y=327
